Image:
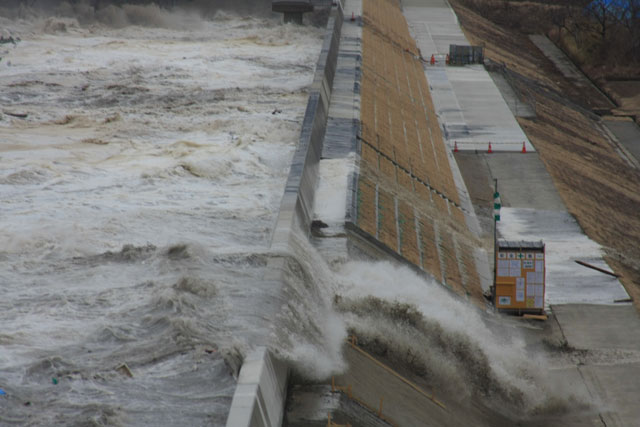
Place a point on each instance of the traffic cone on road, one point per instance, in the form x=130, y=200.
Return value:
x=524, y=147
x=433, y=59
x=489, y=150
x=455, y=146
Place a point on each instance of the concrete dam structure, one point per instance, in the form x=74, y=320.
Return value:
x=398, y=194
x=223, y=217
x=380, y=182
x=370, y=114
x=407, y=198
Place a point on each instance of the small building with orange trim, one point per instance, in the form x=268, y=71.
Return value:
x=520, y=276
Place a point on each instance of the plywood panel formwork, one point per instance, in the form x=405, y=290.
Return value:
x=458, y=216
x=441, y=204
x=471, y=278
x=408, y=238
x=370, y=156
x=366, y=210
x=430, y=256
x=404, y=169
x=450, y=262
x=424, y=193
x=387, y=229
x=388, y=169
x=405, y=180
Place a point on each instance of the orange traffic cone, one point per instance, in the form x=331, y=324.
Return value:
x=524, y=147
x=489, y=150
x=353, y=17
x=455, y=146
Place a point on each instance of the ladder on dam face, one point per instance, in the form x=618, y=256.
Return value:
x=348, y=390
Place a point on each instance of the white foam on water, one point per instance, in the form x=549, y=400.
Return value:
x=139, y=195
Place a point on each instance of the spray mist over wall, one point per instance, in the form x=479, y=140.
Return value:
x=118, y=14
x=421, y=329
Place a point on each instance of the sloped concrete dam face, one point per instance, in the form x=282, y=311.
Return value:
x=406, y=196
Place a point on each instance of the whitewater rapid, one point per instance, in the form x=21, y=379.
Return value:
x=141, y=169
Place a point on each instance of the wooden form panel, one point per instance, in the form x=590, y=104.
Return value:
x=441, y=204
x=452, y=270
x=388, y=169
x=408, y=238
x=405, y=180
x=366, y=217
x=387, y=231
x=370, y=157
x=458, y=216
x=404, y=159
x=430, y=257
x=471, y=277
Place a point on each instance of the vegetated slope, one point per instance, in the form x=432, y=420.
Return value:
x=599, y=186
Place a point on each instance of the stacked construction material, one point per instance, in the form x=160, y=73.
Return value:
x=407, y=197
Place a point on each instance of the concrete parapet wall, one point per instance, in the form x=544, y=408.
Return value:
x=261, y=392
x=260, y=395
x=297, y=203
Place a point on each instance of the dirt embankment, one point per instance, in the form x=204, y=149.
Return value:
x=605, y=49
x=599, y=186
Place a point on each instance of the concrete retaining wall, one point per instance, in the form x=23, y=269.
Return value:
x=296, y=208
x=261, y=392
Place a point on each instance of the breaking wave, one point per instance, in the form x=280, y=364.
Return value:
x=423, y=330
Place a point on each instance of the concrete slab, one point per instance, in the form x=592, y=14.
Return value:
x=523, y=181
x=334, y=193
x=533, y=210
x=618, y=388
x=627, y=132
x=470, y=108
x=486, y=114
x=516, y=105
x=571, y=381
x=600, y=326
x=261, y=392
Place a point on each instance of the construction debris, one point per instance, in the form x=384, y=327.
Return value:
x=124, y=370
x=601, y=270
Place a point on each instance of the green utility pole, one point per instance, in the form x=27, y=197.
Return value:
x=497, y=204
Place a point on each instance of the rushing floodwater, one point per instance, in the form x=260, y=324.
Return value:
x=141, y=169
x=140, y=188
